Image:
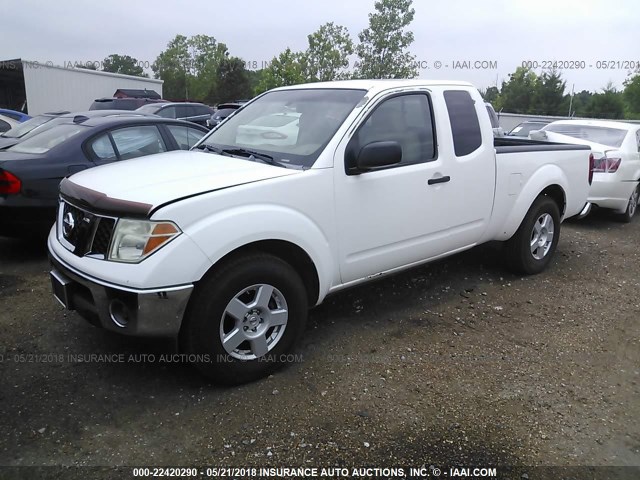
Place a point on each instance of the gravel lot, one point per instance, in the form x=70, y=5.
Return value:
x=457, y=362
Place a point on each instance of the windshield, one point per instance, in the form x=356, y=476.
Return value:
x=22, y=129
x=45, y=141
x=292, y=126
x=612, y=137
x=148, y=109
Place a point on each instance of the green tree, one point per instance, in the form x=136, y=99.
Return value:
x=206, y=55
x=173, y=65
x=188, y=67
x=232, y=80
x=383, y=48
x=579, y=103
x=288, y=68
x=608, y=104
x=123, y=64
x=490, y=94
x=516, y=94
x=548, y=97
x=328, y=53
x=631, y=96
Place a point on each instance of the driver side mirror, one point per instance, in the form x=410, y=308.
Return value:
x=377, y=155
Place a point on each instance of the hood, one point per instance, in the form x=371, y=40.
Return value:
x=138, y=186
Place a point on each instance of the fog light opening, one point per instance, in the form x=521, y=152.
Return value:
x=119, y=313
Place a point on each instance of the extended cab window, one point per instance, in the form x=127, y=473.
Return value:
x=465, y=127
x=405, y=119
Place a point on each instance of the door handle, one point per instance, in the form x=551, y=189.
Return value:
x=433, y=181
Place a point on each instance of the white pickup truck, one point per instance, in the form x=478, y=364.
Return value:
x=305, y=191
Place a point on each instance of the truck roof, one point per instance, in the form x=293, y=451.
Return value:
x=378, y=84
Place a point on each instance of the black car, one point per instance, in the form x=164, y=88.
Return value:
x=31, y=171
x=47, y=120
x=525, y=128
x=223, y=111
x=191, y=112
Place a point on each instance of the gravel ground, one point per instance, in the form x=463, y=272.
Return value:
x=457, y=362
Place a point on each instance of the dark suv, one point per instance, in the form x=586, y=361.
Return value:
x=191, y=112
x=123, y=103
x=223, y=111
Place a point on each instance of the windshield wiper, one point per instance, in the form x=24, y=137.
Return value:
x=263, y=157
x=211, y=148
x=243, y=152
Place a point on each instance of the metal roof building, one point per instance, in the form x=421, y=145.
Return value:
x=37, y=87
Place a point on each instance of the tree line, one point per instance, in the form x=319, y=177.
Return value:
x=202, y=69
x=547, y=94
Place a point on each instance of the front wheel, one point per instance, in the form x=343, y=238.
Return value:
x=531, y=248
x=245, y=319
x=632, y=206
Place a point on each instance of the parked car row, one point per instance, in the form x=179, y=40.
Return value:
x=189, y=111
x=31, y=169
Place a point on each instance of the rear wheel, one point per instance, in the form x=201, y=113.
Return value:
x=245, y=319
x=531, y=248
x=632, y=206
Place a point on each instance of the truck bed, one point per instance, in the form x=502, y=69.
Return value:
x=516, y=145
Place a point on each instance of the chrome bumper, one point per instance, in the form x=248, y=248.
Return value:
x=145, y=313
x=585, y=211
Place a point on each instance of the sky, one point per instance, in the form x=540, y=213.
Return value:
x=480, y=41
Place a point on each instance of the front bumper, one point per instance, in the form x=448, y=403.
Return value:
x=146, y=313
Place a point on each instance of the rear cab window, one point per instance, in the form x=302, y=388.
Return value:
x=463, y=117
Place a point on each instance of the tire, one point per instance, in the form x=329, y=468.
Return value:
x=542, y=222
x=632, y=206
x=258, y=305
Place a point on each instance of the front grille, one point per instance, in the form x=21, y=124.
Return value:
x=71, y=217
x=102, y=237
x=85, y=233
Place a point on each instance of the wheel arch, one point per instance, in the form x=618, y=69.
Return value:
x=557, y=194
x=287, y=251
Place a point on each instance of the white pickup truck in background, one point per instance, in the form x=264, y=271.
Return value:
x=305, y=191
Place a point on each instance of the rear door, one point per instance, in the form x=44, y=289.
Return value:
x=435, y=201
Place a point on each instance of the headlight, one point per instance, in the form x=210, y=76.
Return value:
x=134, y=240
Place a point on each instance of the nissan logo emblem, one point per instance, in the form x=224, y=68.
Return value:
x=68, y=224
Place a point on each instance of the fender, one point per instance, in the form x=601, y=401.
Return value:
x=544, y=177
x=255, y=222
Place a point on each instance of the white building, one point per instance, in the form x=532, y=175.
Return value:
x=38, y=87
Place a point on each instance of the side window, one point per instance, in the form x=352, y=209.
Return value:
x=183, y=111
x=202, y=110
x=186, y=137
x=168, y=112
x=138, y=141
x=465, y=128
x=404, y=119
x=103, y=149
